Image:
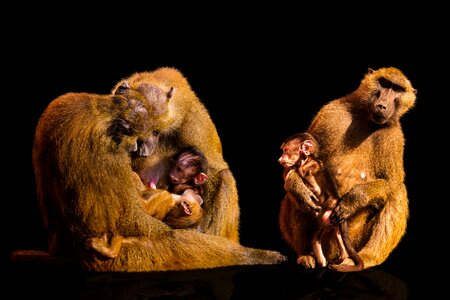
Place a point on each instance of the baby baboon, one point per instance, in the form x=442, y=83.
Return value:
x=300, y=154
x=189, y=171
x=182, y=210
x=187, y=176
x=362, y=144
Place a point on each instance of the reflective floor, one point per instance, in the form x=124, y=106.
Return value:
x=254, y=282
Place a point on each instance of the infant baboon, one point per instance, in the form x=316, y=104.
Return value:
x=301, y=155
x=186, y=179
x=182, y=210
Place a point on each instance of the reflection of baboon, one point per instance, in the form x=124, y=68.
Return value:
x=81, y=157
x=362, y=145
x=186, y=122
x=300, y=154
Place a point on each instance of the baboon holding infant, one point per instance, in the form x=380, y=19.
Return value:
x=86, y=153
x=361, y=144
x=184, y=121
x=301, y=155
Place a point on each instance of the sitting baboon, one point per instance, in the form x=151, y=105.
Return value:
x=185, y=122
x=87, y=188
x=362, y=144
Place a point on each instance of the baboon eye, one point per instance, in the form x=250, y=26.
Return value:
x=377, y=94
x=390, y=85
x=398, y=88
x=385, y=83
x=121, y=89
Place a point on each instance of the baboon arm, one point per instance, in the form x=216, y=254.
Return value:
x=374, y=194
x=294, y=184
x=296, y=187
x=223, y=220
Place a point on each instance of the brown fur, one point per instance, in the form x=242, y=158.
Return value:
x=186, y=122
x=362, y=144
x=302, y=150
x=88, y=189
x=171, y=208
x=167, y=207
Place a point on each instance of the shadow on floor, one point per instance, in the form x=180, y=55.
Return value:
x=286, y=281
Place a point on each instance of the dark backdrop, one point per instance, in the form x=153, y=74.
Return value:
x=259, y=83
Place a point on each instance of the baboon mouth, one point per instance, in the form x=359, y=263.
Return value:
x=378, y=118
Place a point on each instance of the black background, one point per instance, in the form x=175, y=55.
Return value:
x=261, y=81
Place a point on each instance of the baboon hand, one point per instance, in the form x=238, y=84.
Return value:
x=339, y=214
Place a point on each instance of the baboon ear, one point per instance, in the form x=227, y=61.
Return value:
x=122, y=88
x=200, y=178
x=307, y=147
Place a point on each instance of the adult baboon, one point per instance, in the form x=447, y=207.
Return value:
x=87, y=188
x=362, y=145
x=185, y=121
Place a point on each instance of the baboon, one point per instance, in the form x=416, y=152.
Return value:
x=301, y=155
x=185, y=122
x=182, y=210
x=187, y=175
x=362, y=145
x=186, y=178
x=62, y=159
x=189, y=171
x=86, y=186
